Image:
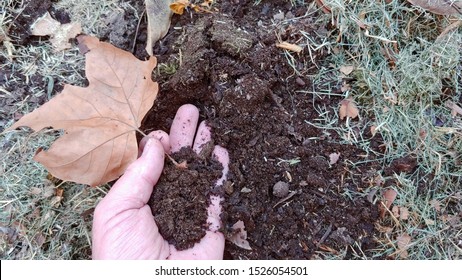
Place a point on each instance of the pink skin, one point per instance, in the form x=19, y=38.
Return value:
x=123, y=225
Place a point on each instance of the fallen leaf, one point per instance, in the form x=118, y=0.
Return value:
x=347, y=69
x=59, y=33
x=239, y=237
x=373, y=130
x=388, y=197
x=159, y=14
x=395, y=211
x=403, y=241
x=403, y=213
x=455, y=109
x=323, y=6
x=290, y=47
x=178, y=6
x=99, y=121
x=334, y=157
x=440, y=7
x=435, y=204
x=348, y=109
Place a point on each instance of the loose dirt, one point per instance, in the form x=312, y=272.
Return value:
x=231, y=69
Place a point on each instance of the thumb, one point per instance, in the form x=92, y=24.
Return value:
x=134, y=188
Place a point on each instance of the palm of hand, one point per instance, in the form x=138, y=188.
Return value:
x=123, y=226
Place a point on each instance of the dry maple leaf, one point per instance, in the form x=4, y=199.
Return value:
x=348, y=109
x=159, y=14
x=59, y=33
x=440, y=7
x=99, y=121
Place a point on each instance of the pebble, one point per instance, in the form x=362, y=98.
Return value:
x=281, y=189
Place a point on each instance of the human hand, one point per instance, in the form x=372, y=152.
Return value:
x=123, y=224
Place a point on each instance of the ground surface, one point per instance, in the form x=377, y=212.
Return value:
x=233, y=72
x=263, y=106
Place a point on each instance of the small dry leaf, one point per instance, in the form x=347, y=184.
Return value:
x=99, y=121
x=403, y=242
x=403, y=213
x=178, y=6
x=388, y=197
x=159, y=14
x=334, y=157
x=435, y=204
x=239, y=238
x=347, y=69
x=59, y=33
x=440, y=7
x=373, y=130
x=395, y=211
x=429, y=222
x=348, y=109
x=455, y=109
x=323, y=6
x=290, y=47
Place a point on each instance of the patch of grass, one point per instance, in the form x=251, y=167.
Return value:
x=406, y=68
x=36, y=221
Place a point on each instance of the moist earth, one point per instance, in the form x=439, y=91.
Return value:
x=259, y=110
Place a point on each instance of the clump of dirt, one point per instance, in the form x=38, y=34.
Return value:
x=231, y=69
x=180, y=199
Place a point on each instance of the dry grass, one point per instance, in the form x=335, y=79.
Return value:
x=406, y=67
x=42, y=219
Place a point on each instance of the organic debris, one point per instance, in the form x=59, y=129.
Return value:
x=239, y=237
x=348, y=109
x=159, y=14
x=440, y=7
x=99, y=121
x=59, y=33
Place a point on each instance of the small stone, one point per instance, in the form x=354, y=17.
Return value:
x=228, y=186
x=299, y=81
x=281, y=189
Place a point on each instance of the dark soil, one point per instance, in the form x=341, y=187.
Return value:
x=180, y=199
x=245, y=88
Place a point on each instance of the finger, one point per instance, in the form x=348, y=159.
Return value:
x=162, y=136
x=203, y=136
x=134, y=188
x=184, y=127
x=214, y=209
x=222, y=156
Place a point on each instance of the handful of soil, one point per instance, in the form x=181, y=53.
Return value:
x=180, y=199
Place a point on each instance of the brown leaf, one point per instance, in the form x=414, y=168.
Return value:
x=403, y=241
x=334, y=157
x=59, y=33
x=178, y=6
x=323, y=6
x=403, y=213
x=347, y=69
x=348, y=109
x=99, y=121
x=159, y=14
x=388, y=197
x=440, y=7
x=239, y=238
